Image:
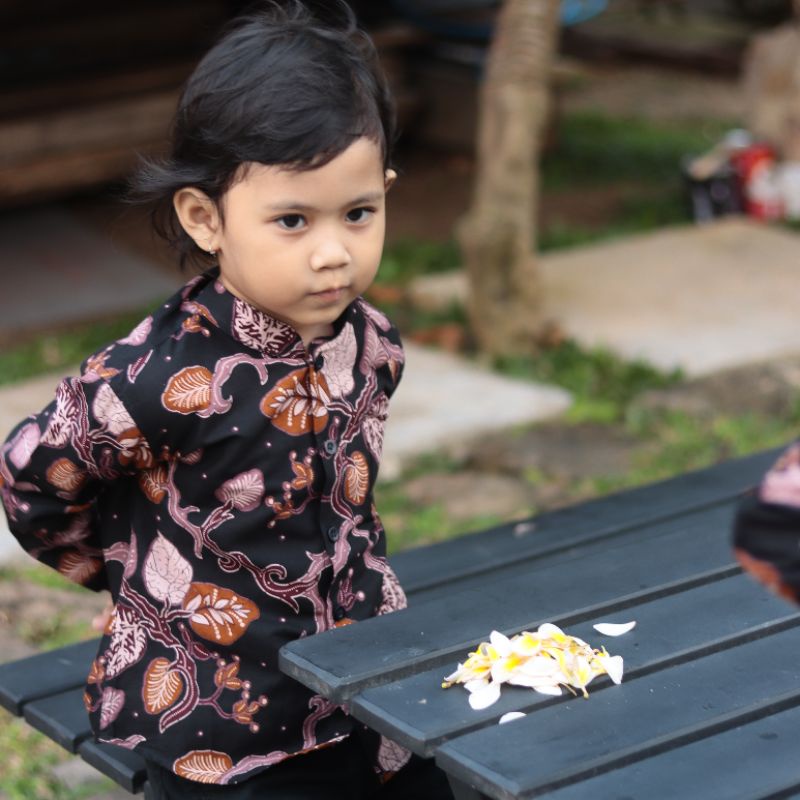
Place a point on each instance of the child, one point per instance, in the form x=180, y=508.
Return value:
x=214, y=468
x=766, y=535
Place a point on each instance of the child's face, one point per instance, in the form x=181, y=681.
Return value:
x=302, y=245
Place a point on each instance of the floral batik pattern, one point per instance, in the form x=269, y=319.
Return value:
x=217, y=477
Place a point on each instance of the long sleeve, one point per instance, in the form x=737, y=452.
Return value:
x=55, y=465
x=766, y=534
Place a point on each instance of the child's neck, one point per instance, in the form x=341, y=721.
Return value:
x=308, y=335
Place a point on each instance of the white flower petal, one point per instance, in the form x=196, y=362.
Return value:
x=500, y=671
x=509, y=717
x=539, y=666
x=613, y=666
x=548, y=689
x=614, y=628
x=485, y=697
x=476, y=684
x=547, y=630
x=500, y=643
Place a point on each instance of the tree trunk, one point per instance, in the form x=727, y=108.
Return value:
x=498, y=234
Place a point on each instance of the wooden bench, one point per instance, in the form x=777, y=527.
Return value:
x=47, y=689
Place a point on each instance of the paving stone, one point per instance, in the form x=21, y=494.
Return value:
x=770, y=388
x=585, y=450
x=73, y=262
x=446, y=403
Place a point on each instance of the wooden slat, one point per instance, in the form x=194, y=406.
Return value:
x=429, y=571
x=649, y=562
x=70, y=92
x=121, y=123
x=563, y=744
x=46, y=178
x=417, y=713
x=129, y=34
x=61, y=716
x=754, y=761
x=124, y=767
x=45, y=674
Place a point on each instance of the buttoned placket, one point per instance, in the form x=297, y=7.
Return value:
x=327, y=445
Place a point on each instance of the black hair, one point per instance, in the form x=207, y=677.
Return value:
x=284, y=85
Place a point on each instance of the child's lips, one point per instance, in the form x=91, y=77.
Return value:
x=330, y=295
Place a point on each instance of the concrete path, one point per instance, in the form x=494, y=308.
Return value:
x=701, y=298
x=60, y=271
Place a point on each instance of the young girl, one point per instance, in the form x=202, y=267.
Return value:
x=214, y=468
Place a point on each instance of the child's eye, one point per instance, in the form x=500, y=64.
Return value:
x=291, y=222
x=360, y=214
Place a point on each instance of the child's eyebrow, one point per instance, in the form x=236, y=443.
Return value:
x=370, y=197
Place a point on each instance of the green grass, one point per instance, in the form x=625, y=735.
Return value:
x=676, y=442
x=414, y=525
x=407, y=259
x=27, y=763
x=67, y=347
x=602, y=384
x=593, y=149
x=40, y=575
x=54, y=630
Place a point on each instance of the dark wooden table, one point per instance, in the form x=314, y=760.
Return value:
x=709, y=706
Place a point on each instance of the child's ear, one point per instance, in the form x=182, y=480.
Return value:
x=199, y=216
x=389, y=177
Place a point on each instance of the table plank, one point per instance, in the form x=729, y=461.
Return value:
x=565, y=743
x=755, y=760
x=60, y=716
x=124, y=767
x=45, y=674
x=430, y=570
x=417, y=713
x=583, y=583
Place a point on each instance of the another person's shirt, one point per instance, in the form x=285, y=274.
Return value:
x=217, y=477
x=766, y=535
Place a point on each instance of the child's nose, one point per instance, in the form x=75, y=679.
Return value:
x=329, y=253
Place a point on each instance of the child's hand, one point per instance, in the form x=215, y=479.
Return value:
x=101, y=621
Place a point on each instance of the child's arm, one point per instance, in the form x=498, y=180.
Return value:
x=56, y=464
x=767, y=528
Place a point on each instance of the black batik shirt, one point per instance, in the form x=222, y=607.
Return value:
x=216, y=476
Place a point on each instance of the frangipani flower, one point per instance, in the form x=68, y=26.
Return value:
x=544, y=661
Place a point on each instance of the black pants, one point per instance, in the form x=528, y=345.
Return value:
x=340, y=772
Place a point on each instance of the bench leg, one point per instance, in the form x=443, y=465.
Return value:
x=463, y=791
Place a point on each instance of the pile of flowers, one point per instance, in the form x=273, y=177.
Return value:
x=545, y=661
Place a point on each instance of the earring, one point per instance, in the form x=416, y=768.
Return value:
x=212, y=253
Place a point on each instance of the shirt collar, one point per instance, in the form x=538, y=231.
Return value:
x=247, y=324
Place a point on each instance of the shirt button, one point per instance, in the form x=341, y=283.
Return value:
x=333, y=533
x=339, y=613
x=319, y=363
x=330, y=447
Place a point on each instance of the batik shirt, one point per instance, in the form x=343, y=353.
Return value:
x=216, y=476
x=767, y=528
